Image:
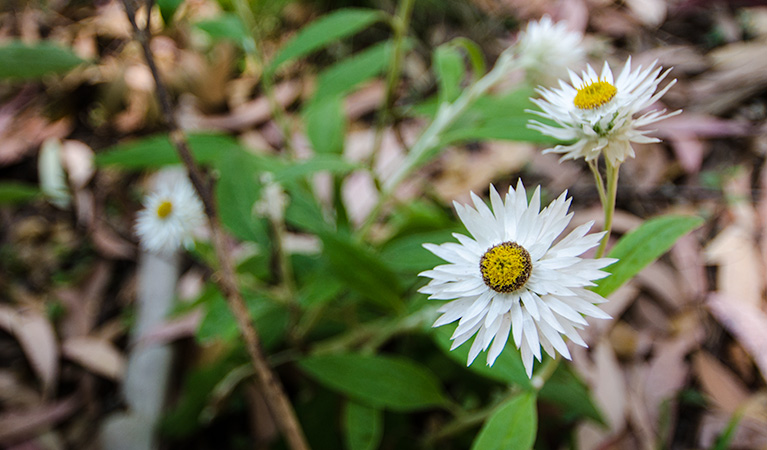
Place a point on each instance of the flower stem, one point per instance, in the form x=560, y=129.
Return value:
x=400, y=24
x=226, y=278
x=428, y=142
x=594, y=166
x=545, y=372
x=609, y=206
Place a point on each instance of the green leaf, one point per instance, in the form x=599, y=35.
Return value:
x=345, y=75
x=407, y=254
x=168, y=9
x=450, y=70
x=323, y=31
x=219, y=324
x=27, y=62
x=157, y=151
x=237, y=191
x=474, y=51
x=391, y=383
x=12, y=193
x=227, y=26
x=363, y=426
x=512, y=426
x=326, y=125
x=362, y=271
x=642, y=246
x=303, y=212
x=571, y=394
x=319, y=163
x=508, y=368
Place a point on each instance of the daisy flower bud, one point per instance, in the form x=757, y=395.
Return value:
x=547, y=49
x=169, y=217
x=597, y=112
x=511, y=278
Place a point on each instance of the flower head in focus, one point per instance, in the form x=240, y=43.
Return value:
x=597, y=112
x=547, y=49
x=171, y=213
x=511, y=277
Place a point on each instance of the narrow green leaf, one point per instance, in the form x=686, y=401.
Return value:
x=156, y=151
x=407, y=254
x=512, y=426
x=219, y=323
x=226, y=26
x=450, y=71
x=476, y=56
x=345, y=75
x=508, y=368
x=168, y=9
x=27, y=62
x=12, y=193
x=237, y=191
x=326, y=125
x=363, y=426
x=382, y=382
x=303, y=211
x=362, y=270
x=642, y=246
x=325, y=30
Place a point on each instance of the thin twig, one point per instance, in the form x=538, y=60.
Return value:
x=272, y=388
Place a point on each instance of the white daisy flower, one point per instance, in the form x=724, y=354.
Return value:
x=547, y=49
x=597, y=112
x=512, y=278
x=169, y=217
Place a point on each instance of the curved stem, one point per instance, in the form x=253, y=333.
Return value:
x=428, y=142
x=609, y=206
x=225, y=277
x=594, y=166
x=400, y=23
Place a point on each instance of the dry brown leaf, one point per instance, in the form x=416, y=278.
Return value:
x=750, y=433
x=739, y=71
x=663, y=282
x=472, y=171
x=608, y=386
x=97, y=355
x=649, y=12
x=746, y=322
x=110, y=244
x=667, y=372
x=739, y=274
x=38, y=340
x=718, y=382
x=365, y=100
x=18, y=425
x=686, y=254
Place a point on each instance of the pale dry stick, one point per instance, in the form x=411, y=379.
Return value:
x=272, y=388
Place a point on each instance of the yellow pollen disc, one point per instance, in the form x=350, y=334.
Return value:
x=505, y=267
x=594, y=95
x=164, y=209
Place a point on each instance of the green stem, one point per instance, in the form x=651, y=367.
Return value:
x=545, y=372
x=254, y=51
x=400, y=24
x=426, y=144
x=609, y=206
x=594, y=166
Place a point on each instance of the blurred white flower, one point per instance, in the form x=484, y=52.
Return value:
x=597, y=112
x=512, y=278
x=547, y=50
x=169, y=217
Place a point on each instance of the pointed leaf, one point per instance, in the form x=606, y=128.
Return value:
x=22, y=61
x=12, y=193
x=642, y=246
x=363, y=426
x=512, y=426
x=382, y=382
x=156, y=151
x=326, y=125
x=325, y=30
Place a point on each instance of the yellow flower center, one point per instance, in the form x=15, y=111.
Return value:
x=164, y=209
x=505, y=267
x=594, y=95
